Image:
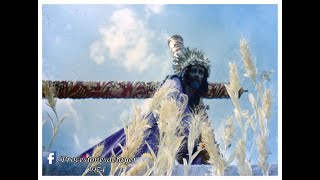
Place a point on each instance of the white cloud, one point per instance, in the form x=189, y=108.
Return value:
x=126, y=41
x=97, y=52
x=94, y=141
x=166, y=68
x=154, y=8
x=66, y=105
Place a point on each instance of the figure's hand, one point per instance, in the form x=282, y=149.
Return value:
x=241, y=91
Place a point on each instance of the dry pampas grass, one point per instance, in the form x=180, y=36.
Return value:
x=233, y=90
x=135, y=132
x=234, y=78
x=141, y=166
x=197, y=117
x=95, y=154
x=171, y=135
x=251, y=71
x=262, y=139
x=243, y=165
x=261, y=114
x=208, y=142
x=261, y=105
x=170, y=114
x=161, y=94
x=228, y=132
x=49, y=93
x=266, y=103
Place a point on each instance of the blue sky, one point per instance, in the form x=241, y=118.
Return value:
x=129, y=43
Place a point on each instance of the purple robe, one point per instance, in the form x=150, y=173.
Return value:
x=112, y=141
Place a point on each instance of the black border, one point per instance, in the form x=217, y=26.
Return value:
x=22, y=92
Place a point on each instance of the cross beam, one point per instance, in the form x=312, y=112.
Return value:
x=119, y=89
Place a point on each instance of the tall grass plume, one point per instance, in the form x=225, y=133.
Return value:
x=251, y=71
x=171, y=135
x=209, y=143
x=135, y=132
x=243, y=165
x=228, y=132
x=49, y=94
x=261, y=106
x=197, y=117
x=96, y=153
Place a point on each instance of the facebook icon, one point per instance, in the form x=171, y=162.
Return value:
x=49, y=157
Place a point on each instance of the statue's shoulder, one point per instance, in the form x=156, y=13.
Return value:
x=171, y=77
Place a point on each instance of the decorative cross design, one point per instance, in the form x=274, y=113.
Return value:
x=120, y=89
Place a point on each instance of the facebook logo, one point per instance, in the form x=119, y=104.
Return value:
x=49, y=157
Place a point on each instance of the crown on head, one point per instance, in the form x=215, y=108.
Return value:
x=190, y=57
x=183, y=57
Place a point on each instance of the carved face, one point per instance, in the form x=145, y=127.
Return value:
x=196, y=75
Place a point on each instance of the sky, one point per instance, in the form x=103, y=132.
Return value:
x=128, y=42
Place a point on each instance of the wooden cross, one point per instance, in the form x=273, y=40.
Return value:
x=120, y=89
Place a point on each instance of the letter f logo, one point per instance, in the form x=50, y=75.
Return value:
x=50, y=157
